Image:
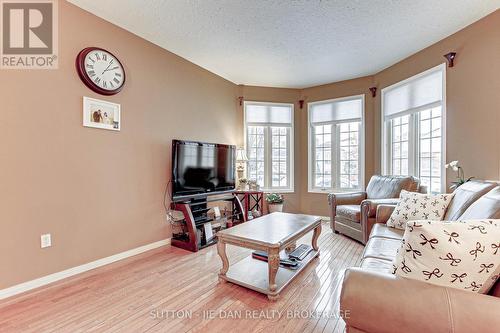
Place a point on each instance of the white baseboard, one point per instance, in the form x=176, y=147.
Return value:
x=36, y=283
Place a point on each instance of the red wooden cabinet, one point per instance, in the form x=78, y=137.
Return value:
x=251, y=200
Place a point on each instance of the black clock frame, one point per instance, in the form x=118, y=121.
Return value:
x=80, y=68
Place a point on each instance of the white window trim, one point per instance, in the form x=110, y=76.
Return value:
x=412, y=149
x=310, y=160
x=268, y=151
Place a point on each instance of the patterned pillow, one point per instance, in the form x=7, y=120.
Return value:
x=414, y=206
x=459, y=254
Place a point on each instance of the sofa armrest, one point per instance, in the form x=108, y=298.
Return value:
x=383, y=213
x=335, y=199
x=376, y=302
x=370, y=205
x=369, y=212
x=354, y=198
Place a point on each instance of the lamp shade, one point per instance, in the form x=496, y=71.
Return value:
x=241, y=155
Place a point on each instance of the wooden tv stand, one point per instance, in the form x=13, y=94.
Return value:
x=194, y=212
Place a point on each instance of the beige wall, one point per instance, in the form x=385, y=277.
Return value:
x=472, y=95
x=279, y=95
x=98, y=192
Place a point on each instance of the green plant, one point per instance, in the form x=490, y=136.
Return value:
x=274, y=198
x=460, y=174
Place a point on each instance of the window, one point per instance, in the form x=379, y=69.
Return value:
x=336, y=144
x=269, y=145
x=430, y=156
x=413, y=126
x=400, y=129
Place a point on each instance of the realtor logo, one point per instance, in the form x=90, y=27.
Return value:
x=29, y=34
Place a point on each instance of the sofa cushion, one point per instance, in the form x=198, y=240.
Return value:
x=486, y=207
x=382, y=187
x=383, y=231
x=350, y=212
x=377, y=265
x=415, y=206
x=456, y=254
x=464, y=196
x=381, y=248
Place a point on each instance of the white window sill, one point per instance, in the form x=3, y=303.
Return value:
x=334, y=191
x=284, y=191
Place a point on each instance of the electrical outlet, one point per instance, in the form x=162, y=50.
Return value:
x=45, y=241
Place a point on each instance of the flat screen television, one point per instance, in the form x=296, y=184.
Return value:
x=200, y=168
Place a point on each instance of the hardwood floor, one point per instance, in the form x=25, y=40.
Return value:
x=172, y=290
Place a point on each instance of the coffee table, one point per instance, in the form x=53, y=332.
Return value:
x=272, y=233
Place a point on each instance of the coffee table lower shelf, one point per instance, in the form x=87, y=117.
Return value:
x=253, y=274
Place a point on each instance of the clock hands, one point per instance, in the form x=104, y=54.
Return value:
x=111, y=69
x=107, y=68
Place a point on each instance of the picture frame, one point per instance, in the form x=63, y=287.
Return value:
x=101, y=114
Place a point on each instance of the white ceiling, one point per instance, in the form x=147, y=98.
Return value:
x=296, y=44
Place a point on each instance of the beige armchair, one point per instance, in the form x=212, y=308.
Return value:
x=353, y=214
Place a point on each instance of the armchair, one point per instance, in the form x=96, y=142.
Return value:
x=353, y=214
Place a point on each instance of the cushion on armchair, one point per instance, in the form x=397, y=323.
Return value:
x=351, y=212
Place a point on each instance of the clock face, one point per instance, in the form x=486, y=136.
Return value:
x=101, y=71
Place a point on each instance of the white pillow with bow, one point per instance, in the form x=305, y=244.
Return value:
x=414, y=206
x=457, y=254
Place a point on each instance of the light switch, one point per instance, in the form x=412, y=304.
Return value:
x=45, y=241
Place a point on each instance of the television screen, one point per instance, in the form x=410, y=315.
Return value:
x=199, y=168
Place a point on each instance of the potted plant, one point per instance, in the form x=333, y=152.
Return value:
x=460, y=174
x=274, y=202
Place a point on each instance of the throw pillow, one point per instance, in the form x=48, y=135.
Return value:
x=458, y=254
x=414, y=206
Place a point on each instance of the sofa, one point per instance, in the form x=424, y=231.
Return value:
x=353, y=214
x=374, y=300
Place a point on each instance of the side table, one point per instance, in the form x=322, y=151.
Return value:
x=251, y=200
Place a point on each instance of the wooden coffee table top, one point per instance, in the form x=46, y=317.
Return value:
x=271, y=230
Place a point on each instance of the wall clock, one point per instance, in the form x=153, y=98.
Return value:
x=100, y=70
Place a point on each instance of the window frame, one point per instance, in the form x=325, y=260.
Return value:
x=414, y=129
x=335, y=175
x=268, y=147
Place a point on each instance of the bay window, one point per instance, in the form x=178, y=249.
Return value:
x=336, y=144
x=413, y=128
x=269, y=145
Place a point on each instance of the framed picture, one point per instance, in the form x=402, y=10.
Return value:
x=101, y=114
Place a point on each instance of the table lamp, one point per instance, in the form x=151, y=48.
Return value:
x=241, y=159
